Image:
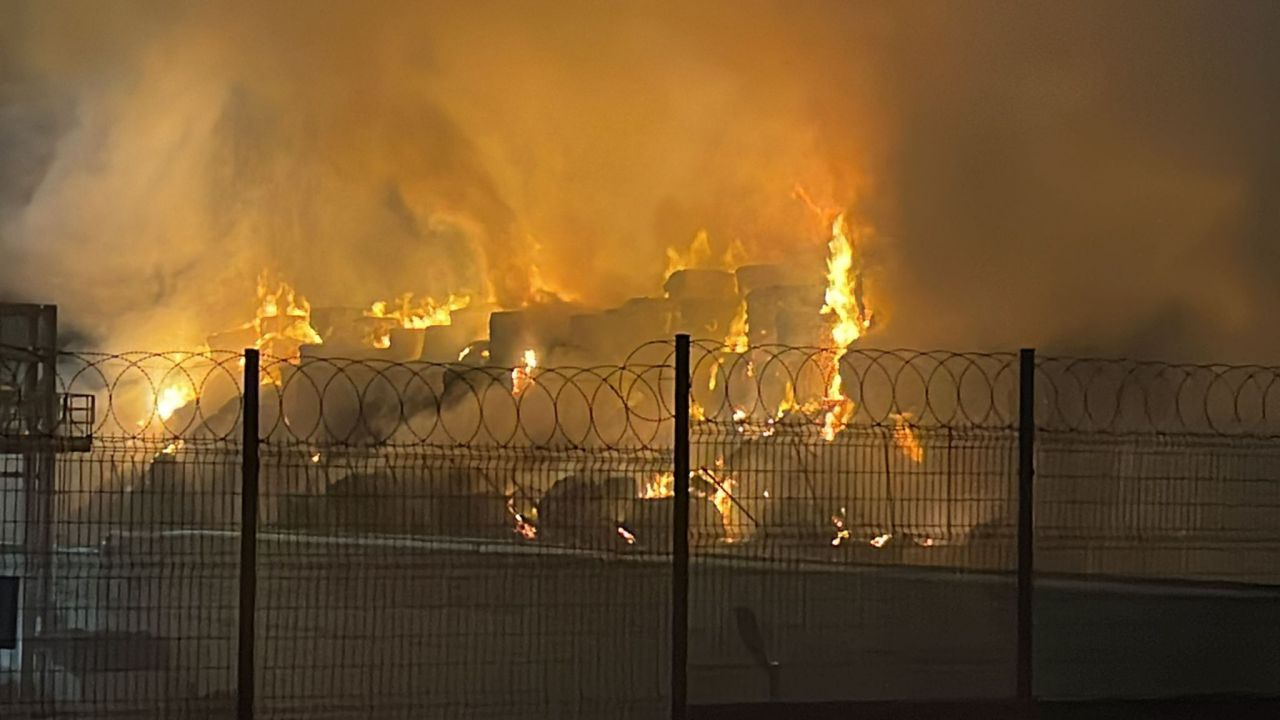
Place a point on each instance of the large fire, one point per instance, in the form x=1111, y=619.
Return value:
x=282, y=321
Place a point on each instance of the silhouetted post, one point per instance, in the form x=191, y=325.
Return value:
x=1026, y=516
x=248, y=539
x=680, y=537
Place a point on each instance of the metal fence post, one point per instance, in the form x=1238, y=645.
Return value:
x=1026, y=516
x=680, y=537
x=248, y=538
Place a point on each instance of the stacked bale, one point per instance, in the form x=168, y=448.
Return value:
x=705, y=301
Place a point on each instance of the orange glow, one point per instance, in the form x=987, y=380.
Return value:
x=696, y=410
x=627, y=535
x=172, y=397
x=661, y=485
x=880, y=541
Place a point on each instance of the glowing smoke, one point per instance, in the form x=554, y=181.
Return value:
x=1083, y=176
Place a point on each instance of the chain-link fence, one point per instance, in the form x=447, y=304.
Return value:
x=461, y=540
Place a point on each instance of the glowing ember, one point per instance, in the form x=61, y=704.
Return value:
x=905, y=438
x=173, y=397
x=880, y=541
x=522, y=375
x=526, y=529
x=661, y=485
x=523, y=526
x=842, y=531
x=696, y=411
x=172, y=448
x=722, y=498
x=315, y=457
x=788, y=402
x=627, y=535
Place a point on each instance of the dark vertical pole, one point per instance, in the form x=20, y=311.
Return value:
x=248, y=540
x=1026, y=517
x=680, y=538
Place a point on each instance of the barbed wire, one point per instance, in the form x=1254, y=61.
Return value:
x=371, y=401
x=1127, y=396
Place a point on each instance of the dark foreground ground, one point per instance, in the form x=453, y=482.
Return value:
x=1199, y=708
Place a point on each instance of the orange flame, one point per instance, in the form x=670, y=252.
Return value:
x=283, y=320
x=843, y=301
x=737, y=340
x=698, y=254
x=904, y=436
x=663, y=485
x=522, y=375
x=407, y=314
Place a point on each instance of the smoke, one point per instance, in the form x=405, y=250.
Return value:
x=1083, y=177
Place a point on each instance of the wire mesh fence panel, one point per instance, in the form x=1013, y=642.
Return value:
x=129, y=601
x=454, y=541
x=463, y=540
x=1157, y=529
x=864, y=544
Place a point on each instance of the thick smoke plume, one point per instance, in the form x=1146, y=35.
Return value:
x=1083, y=177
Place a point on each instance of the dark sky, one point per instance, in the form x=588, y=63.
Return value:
x=1092, y=177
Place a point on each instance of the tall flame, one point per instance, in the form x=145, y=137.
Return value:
x=844, y=287
x=843, y=300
